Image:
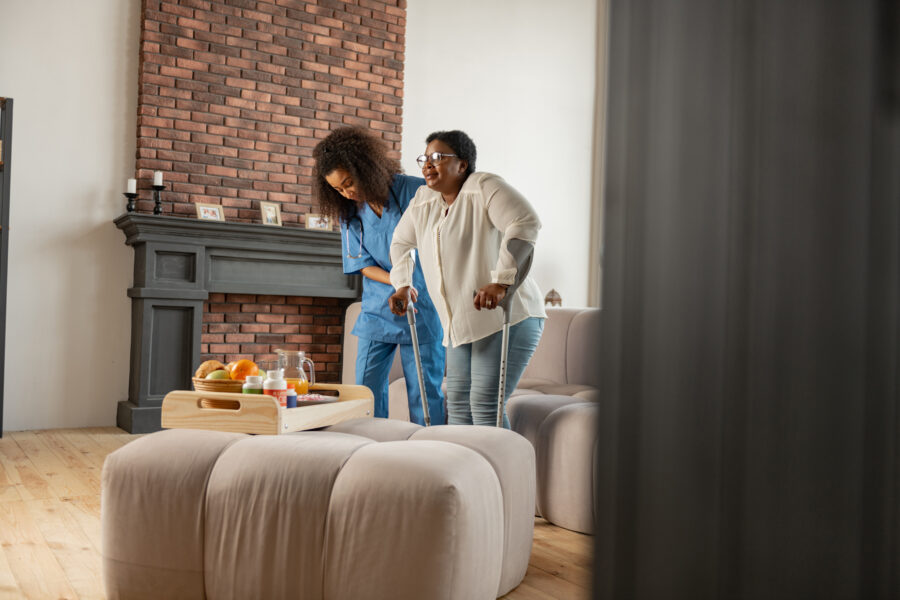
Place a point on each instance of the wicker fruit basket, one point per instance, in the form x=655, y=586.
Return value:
x=217, y=385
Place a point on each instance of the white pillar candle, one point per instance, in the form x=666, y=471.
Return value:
x=132, y=186
x=157, y=178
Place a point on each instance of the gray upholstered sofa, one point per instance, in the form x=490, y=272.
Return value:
x=556, y=406
x=565, y=362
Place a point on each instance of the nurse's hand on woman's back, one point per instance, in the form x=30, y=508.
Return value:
x=401, y=298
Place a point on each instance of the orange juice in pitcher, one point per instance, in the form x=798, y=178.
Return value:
x=301, y=385
x=293, y=362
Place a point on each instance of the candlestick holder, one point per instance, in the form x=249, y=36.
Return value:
x=130, y=205
x=157, y=207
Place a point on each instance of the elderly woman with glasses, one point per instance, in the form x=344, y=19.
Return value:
x=358, y=184
x=461, y=225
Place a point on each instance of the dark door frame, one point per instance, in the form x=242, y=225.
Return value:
x=6, y=116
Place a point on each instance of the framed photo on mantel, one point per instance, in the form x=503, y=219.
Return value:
x=209, y=212
x=317, y=221
x=271, y=213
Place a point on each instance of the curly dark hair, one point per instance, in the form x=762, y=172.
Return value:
x=365, y=157
x=462, y=145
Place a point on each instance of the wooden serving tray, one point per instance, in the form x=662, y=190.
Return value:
x=252, y=413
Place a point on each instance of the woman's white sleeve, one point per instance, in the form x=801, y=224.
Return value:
x=402, y=245
x=513, y=215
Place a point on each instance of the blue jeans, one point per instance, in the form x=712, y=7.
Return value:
x=373, y=364
x=473, y=373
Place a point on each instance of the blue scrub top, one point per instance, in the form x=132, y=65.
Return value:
x=368, y=238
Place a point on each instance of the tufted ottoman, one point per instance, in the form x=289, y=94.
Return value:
x=367, y=509
x=571, y=453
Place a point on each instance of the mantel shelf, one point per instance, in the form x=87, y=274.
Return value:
x=234, y=257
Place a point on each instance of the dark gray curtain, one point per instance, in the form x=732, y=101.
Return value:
x=750, y=295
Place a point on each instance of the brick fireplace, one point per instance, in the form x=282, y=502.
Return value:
x=197, y=292
x=232, y=96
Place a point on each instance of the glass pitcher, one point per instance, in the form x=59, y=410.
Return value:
x=293, y=361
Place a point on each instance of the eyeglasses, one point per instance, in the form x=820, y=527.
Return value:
x=434, y=158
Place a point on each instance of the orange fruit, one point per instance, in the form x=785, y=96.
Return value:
x=230, y=365
x=243, y=368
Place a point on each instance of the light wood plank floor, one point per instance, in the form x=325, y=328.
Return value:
x=50, y=523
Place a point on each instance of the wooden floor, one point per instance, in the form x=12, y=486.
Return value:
x=50, y=522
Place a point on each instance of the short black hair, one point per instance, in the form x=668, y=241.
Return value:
x=462, y=146
x=365, y=157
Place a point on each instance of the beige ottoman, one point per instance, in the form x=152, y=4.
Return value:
x=443, y=512
x=565, y=433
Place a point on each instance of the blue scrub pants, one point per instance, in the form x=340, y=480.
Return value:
x=373, y=363
x=473, y=373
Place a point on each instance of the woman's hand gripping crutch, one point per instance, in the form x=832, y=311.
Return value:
x=400, y=298
x=523, y=253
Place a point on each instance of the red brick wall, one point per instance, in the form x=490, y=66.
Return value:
x=235, y=93
x=239, y=326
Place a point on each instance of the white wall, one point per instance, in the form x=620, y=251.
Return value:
x=71, y=68
x=519, y=77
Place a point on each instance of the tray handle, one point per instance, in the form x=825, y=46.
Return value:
x=345, y=392
x=229, y=402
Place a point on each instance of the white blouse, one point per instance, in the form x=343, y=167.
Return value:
x=462, y=247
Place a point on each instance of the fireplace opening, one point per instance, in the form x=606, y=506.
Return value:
x=237, y=326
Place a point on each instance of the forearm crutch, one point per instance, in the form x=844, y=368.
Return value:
x=411, y=317
x=523, y=253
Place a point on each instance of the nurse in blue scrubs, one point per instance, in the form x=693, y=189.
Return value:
x=362, y=187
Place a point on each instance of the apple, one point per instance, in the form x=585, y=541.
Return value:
x=219, y=374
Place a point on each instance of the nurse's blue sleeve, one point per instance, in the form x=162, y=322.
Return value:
x=410, y=186
x=357, y=257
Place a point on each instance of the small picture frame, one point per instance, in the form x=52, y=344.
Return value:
x=270, y=213
x=317, y=221
x=209, y=212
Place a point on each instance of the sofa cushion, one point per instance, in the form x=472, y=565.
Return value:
x=530, y=387
x=527, y=413
x=380, y=430
x=568, y=350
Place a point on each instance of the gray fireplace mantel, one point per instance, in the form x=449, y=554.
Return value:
x=178, y=262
